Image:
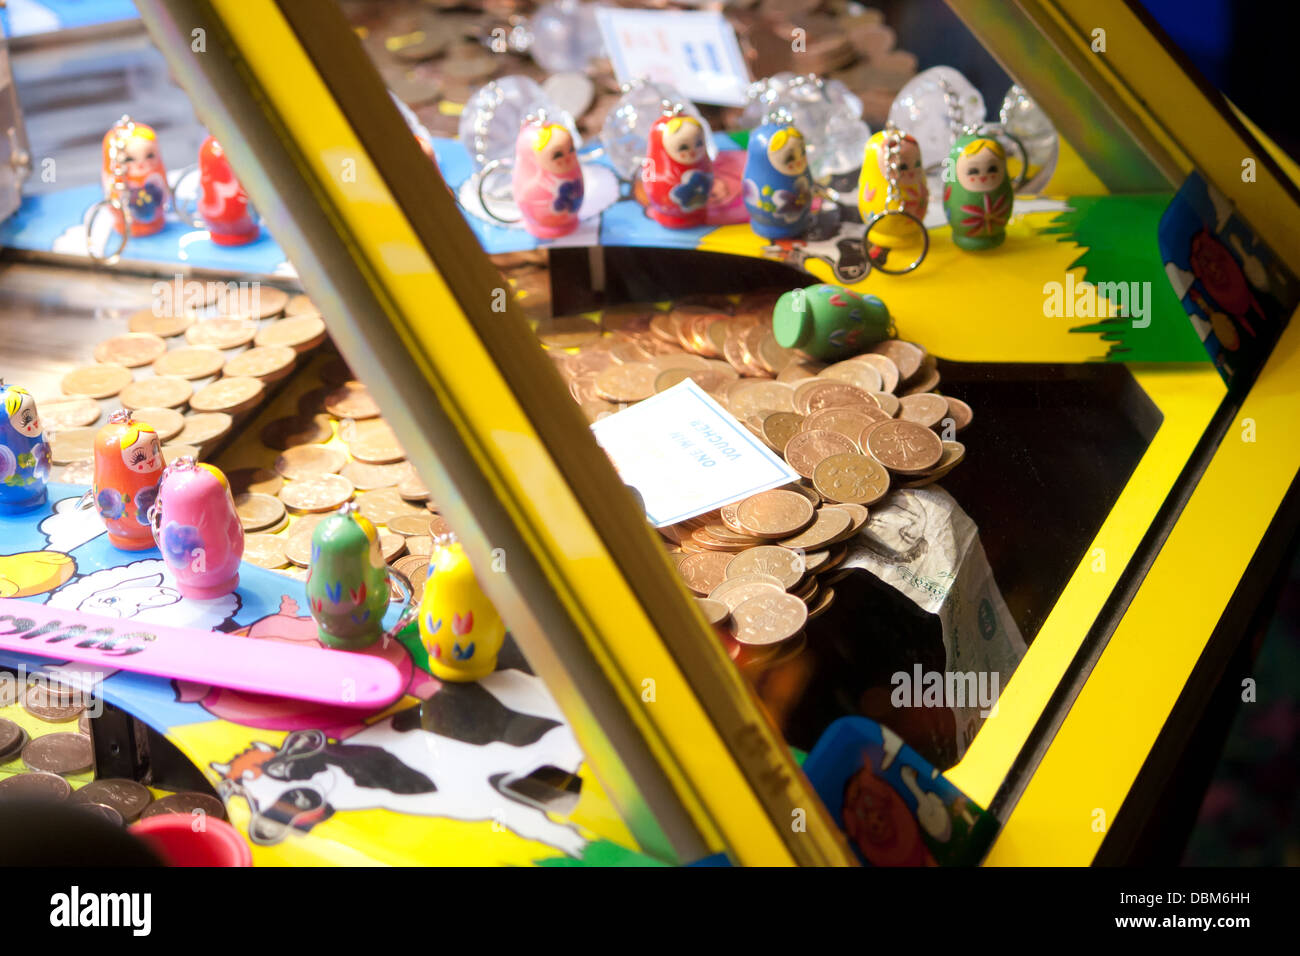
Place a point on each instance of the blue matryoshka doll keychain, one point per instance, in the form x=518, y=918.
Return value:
x=24, y=453
x=778, y=190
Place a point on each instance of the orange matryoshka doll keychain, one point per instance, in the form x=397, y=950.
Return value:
x=128, y=467
x=134, y=178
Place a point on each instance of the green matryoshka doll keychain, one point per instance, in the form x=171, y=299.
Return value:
x=977, y=193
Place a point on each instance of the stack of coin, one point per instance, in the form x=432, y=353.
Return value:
x=853, y=430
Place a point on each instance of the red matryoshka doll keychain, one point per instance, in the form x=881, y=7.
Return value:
x=134, y=178
x=223, y=205
x=677, y=174
x=128, y=467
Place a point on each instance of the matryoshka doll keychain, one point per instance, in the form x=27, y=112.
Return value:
x=893, y=197
x=348, y=583
x=134, y=178
x=778, y=190
x=677, y=173
x=223, y=206
x=978, y=198
x=197, y=529
x=545, y=180
x=128, y=467
x=24, y=453
x=459, y=626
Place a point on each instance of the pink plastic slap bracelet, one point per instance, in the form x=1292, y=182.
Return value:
x=338, y=678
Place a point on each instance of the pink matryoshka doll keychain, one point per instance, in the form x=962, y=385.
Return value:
x=223, y=205
x=547, y=178
x=677, y=173
x=134, y=178
x=128, y=467
x=197, y=529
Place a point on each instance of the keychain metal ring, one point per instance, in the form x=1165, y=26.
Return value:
x=482, y=179
x=89, y=221
x=191, y=219
x=925, y=242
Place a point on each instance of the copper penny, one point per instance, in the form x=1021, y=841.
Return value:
x=736, y=591
x=270, y=363
x=69, y=413
x=888, y=403
x=34, y=786
x=300, y=333
x=806, y=449
x=626, y=383
x=827, y=527
x=204, y=427
x=167, y=422
x=780, y=427
x=52, y=703
x=704, y=570
x=232, y=395
x=258, y=512
x=823, y=394
x=373, y=442
x=12, y=740
x=222, y=332
x=257, y=480
x=298, y=548
x=186, y=803
x=161, y=391
x=715, y=612
x=96, y=381
x=254, y=301
x=858, y=514
x=858, y=374
x=132, y=350
x=369, y=477
x=384, y=504
x=904, y=447
x=72, y=444
x=924, y=408
x=171, y=452
x=265, y=550
x=164, y=326
x=925, y=380
x=851, y=477
x=567, y=331
x=847, y=420
x=410, y=525
x=885, y=368
x=309, y=461
x=760, y=398
x=60, y=753
x=958, y=411
x=439, y=528
x=412, y=489
x=768, y=619
x=774, y=514
x=781, y=563
x=316, y=494
x=351, y=400
x=126, y=797
x=905, y=356
x=190, y=362
x=299, y=304
x=392, y=545
x=301, y=430
x=419, y=544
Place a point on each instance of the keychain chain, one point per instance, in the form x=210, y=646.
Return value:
x=117, y=168
x=953, y=106
x=894, y=146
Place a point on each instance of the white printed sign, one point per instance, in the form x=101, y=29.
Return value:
x=696, y=52
x=686, y=455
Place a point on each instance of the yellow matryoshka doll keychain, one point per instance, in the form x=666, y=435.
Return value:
x=892, y=198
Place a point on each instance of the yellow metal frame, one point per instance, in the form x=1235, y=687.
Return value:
x=728, y=772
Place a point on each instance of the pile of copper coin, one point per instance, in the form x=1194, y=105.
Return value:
x=36, y=766
x=854, y=430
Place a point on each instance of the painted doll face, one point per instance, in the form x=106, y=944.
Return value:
x=24, y=419
x=685, y=144
x=143, y=455
x=981, y=172
x=141, y=157
x=558, y=157
x=909, y=162
x=788, y=158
